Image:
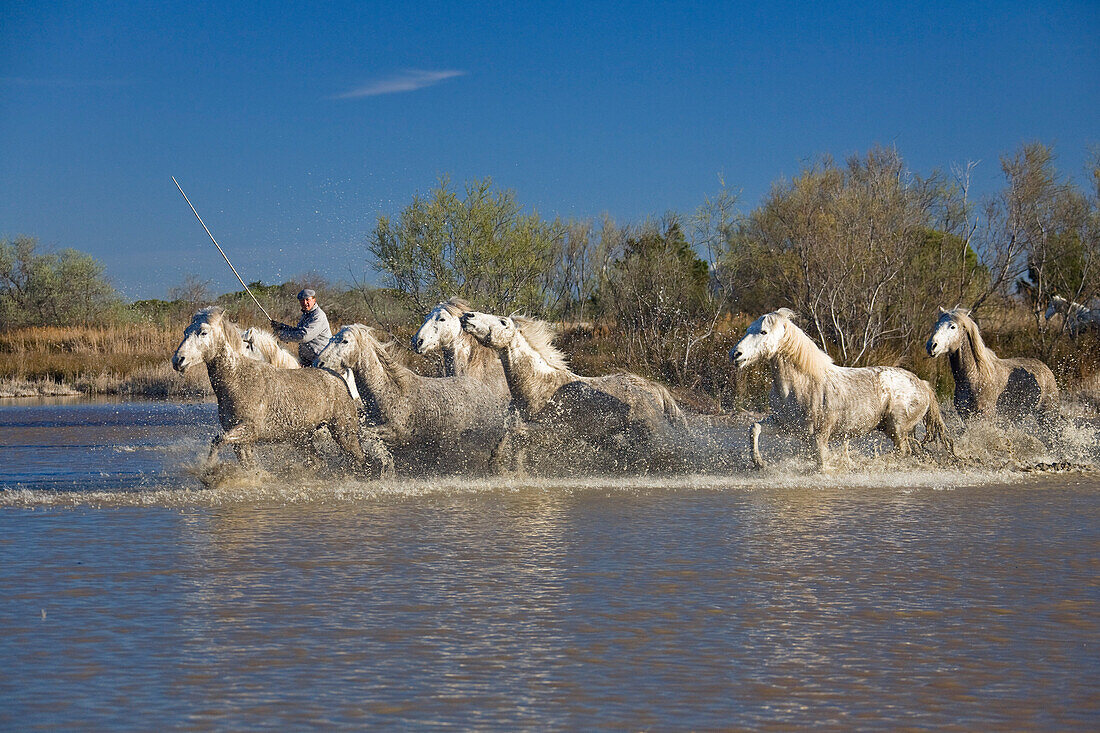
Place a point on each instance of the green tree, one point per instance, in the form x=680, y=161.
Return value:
x=481, y=247
x=657, y=293
x=52, y=288
x=855, y=249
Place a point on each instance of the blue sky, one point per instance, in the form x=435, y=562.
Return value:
x=292, y=126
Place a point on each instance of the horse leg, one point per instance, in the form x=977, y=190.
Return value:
x=757, y=458
x=821, y=448
x=215, y=444
x=380, y=456
x=376, y=453
x=347, y=437
x=897, y=435
x=520, y=440
x=244, y=455
x=240, y=437
x=510, y=454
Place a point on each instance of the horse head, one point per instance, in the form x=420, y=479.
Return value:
x=343, y=349
x=763, y=338
x=208, y=336
x=496, y=332
x=947, y=334
x=251, y=347
x=1057, y=304
x=441, y=328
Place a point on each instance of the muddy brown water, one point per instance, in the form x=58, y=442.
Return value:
x=134, y=597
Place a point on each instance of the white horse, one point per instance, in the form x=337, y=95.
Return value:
x=262, y=345
x=448, y=417
x=984, y=383
x=620, y=412
x=259, y=402
x=818, y=400
x=462, y=354
x=1077, y=316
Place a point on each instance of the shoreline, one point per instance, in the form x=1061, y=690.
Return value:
x=104, y=385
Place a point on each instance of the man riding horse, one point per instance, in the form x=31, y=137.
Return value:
x=312, y=331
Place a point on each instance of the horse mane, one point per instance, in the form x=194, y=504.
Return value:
x=266, y=343
x=984, y=358
x=799, y=349
x=215, y=316
x=455, y=306
x=540, y=336
x=390, y=353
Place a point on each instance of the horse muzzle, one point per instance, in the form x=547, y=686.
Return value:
x=469, y=326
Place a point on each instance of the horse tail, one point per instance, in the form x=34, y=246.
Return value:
x=671, y=408
x=934, y=426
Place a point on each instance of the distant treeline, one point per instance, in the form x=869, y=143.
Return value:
x=864, y=250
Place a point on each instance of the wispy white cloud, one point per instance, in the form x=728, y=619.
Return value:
x=405, y=81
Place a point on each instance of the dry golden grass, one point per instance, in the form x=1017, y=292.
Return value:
x=123, y=359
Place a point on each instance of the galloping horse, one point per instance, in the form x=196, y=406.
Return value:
x=985, y=384
x=456, y=415
x=462, y=354
x=817, y=399
x=259, y=402
x=621, y=412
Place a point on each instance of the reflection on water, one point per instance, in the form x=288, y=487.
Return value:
x=926, y=599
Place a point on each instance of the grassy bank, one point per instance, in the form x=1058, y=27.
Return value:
x=129, y=359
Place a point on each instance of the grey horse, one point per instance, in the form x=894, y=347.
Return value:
x=986, y=385
x=439, y=419
x=623, y=413
x=258, y=402
x=817, y=399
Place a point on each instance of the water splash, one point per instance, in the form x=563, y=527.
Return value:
x=714, y=457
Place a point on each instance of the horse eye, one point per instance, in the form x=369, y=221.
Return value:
x=763, y=332
x=503, y=322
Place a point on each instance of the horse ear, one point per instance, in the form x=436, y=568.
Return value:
x=942, y=309
x=787, y=313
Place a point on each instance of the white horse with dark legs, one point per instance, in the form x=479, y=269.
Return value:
x=623, y=413
x=818, y=400
x=986, y=385
x=462, y=354
x=437, y=417
x=1077, y=317
x=262, y=345
x=258, y=402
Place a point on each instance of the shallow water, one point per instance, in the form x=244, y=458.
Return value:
x=918, y=597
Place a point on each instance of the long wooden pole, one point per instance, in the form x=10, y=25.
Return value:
x=234, y=269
